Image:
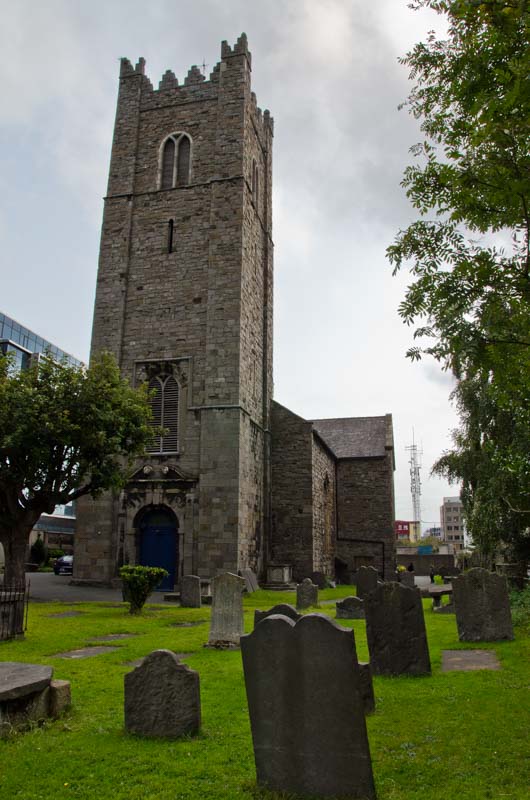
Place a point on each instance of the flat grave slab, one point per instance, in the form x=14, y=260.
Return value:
x=86, y=652
x=188, y=624
x=112, y=637
x=18, y=679
x=66, y=614
x=468, y=660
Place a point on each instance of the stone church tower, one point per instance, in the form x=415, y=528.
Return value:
x=184, y=302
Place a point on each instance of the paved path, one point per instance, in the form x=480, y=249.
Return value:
x=46, y=587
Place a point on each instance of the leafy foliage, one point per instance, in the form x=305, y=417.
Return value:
x=138, y=583
x=470, y=259
x=39, y=552
x=65, y=431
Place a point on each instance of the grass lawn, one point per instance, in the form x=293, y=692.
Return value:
x=452, y=735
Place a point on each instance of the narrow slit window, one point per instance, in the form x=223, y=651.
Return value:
x=170, y=235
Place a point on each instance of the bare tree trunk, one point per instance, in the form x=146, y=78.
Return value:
x=15, y=543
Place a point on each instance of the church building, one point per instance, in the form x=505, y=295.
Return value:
x=184, y=302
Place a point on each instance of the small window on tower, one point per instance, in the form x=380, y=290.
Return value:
x=170, y=235
x=255, y=183
x=175, y=161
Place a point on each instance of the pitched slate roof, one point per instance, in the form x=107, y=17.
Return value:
x=356, y=437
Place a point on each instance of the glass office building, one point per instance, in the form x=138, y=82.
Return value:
x=23, y=344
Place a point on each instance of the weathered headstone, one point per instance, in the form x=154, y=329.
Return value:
x=319, y=579
x=366, y=579
x=190, y=591
x=395, y=629
x=366, y=686
x=482, y=606
x=306, y=712
x=281, y=608
x=162, y=697
x=306, y=594
x=406, y=578
x=251, y=581
x=350, y=608
x=226, y=625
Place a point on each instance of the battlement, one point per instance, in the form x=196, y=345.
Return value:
x=195, y=81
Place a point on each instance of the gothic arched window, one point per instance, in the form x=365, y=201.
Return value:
x=165, y=408
x=175, y=161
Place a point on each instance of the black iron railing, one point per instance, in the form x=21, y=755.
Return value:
x=13, y=611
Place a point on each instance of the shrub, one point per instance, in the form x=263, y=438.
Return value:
x=55, y=552
x=138, y=583
x=39, y=552
x=520, y=603
x=438, y=580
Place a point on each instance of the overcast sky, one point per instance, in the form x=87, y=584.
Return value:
x=328, y=71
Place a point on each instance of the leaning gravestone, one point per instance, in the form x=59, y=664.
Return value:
x=366, y=686
x=281, y=608
x=162, y=697
x=350, y=608
x=251, y=581
x=309, y=732
x=306, y=594
x=482, y=606
x=190, y=591
x=226, y=625
x=395, y=629
x=366, y=579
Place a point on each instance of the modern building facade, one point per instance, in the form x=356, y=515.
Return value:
x=25, y=346
x=452, y=522
x=184, y=302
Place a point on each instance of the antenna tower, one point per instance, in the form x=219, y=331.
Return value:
x=415, y=483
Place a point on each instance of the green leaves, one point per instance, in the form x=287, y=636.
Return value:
x=138, y=583
x=468, y=254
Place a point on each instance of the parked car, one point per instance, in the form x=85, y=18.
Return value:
x=64, y=565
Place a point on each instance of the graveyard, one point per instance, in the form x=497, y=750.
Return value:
x=451, y=734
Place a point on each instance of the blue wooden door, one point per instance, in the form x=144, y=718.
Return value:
x=158, y=546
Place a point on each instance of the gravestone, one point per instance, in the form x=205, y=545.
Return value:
x=366, y=579
x=306, y=594
x=482, y=606
x=190, y=591
x=306, y=712
x=366, y=686
x=350, y=608
x=251, y=581
x=226, y=625
x=319, y=579
x=406, y=578
x=28, y=694
x=162, y=697
x=395, y=629
x=281, y=608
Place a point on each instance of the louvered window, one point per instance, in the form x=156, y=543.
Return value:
x=165, y=408
x=168, y=164
x=176, y=161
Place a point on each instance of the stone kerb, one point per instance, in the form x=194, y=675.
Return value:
x=282, y=608
x=395, y=629
x=308, y=731
x=306, y=594
x=162, y=697
x=190, y=591
x=482, y=606
x=226, y=625
x=350, y=608
x=366, y=579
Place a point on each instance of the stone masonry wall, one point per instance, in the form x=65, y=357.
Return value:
x=292, y=486
x=323, y=491
x=365, y=513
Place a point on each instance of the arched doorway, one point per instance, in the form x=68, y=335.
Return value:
x=159, y=543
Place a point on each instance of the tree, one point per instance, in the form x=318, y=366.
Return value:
x=469, y=251
x=65, y=432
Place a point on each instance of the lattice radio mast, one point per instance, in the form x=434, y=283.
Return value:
x=415, y=483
